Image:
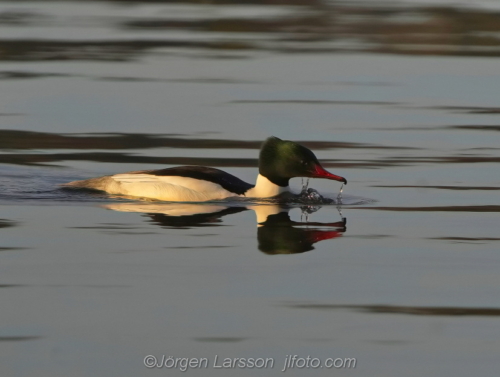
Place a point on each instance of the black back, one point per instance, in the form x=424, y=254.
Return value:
x=228, y=181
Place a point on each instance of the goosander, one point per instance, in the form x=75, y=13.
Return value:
x=279, y=160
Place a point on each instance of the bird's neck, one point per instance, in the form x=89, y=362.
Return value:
x=264, y=188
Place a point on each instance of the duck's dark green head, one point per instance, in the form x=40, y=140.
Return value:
x=281, y=160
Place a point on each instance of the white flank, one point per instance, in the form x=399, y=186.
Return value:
x=171, y=188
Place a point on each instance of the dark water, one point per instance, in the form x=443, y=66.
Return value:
x=401, y=98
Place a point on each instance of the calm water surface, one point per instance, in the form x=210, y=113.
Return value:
x=400, y=98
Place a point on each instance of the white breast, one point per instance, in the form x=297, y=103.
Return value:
x=264, y=188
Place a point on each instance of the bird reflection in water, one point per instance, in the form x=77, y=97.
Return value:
x=276, y=232
x=280, y=235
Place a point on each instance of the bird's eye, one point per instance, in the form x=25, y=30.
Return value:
x=303, y=162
